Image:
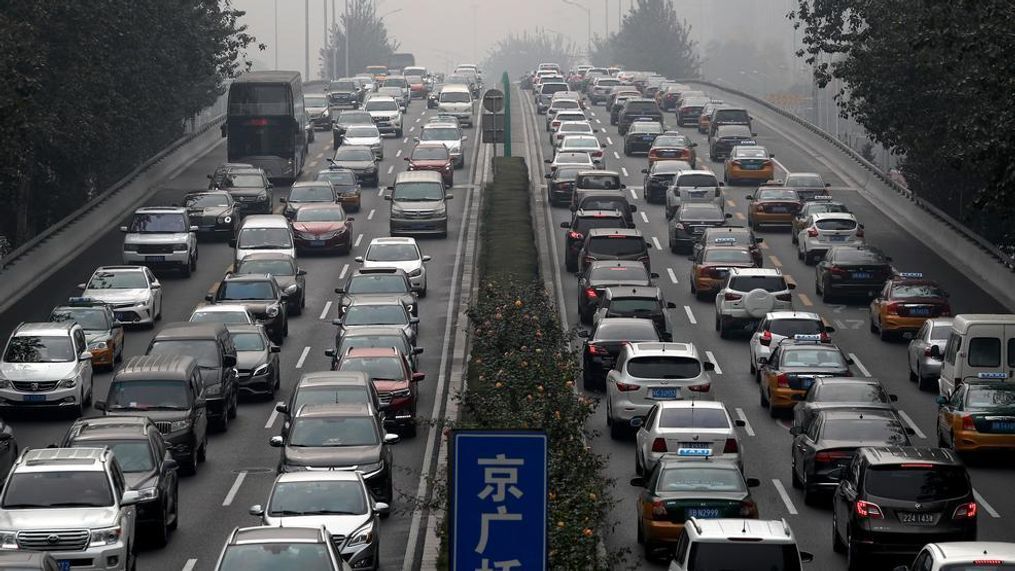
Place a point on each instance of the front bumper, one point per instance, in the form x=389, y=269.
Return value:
x=419, y=225
x=341, y=241
x=106, y=558
x=55, y=398
x=169, y=259
x=255, y=385
x=135, y=314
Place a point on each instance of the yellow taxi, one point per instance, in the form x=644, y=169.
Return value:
x=379, y=72
x=904, y=303
x=748, y=163
x=772, y=206
x=103, y=332
x=710, y=265
x=978, y=416
x=789, y=371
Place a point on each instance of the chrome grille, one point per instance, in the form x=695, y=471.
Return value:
x=164, y=427
x=74, y=540
x=34, y=386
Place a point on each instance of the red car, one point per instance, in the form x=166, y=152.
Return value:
x=322, y=228
x=394, y=380
x=433, y=157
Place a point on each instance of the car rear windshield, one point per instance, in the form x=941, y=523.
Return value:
x=629, y=330
x=703, y=479
x=693, y=417
x=312, y=194
x=742, y=556
x=836, y=224
x=89, y=318
x=704, y=213
x=751, y=283
x=275, y=555
x=389, y=314
x=917, y=290
x=731, y=256
x=153, y=223
x=641, y=107
x=392, y=252
x=585, y=223
x=805, y=181
x=59, y=489
x=1000, y=395
x=351, y=394
x=246, y=290
x=877, y=430
x=858, y=256
x=604, y=203
x=362, y=131
x=732, y=116
x=551, y=88
x=238, y=317
x=791, y=327
x=148, y=395
x=616, y=245
x=619, y=274
x=353, y=154
x=338, y=177
x=850, y=392
x=376, y=368
x=813, y=357
x=917, y=482
x=664, y=367
x=599, y=182
x=777, y=194
x=633, y=305
x=697, y=180
x=206, y=200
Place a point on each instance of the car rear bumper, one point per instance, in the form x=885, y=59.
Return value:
x=661, y=531
x=784, y=398
x=771, y=219
x=973, y=441
x=898, y=324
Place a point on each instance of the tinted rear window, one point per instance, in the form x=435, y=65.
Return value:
x=599, y=182
x=985, y=352
x=550, y=88
x=868, y=430
x=749, y=283
x=791, y=327
x=917, y=482
x=620, y=274
x=813, y=357
x=732, y=115
x=729, y=256
x=664, y=367
x=743, y=557
x=850, y=392
x=836, y=224
x=633, y=305
x=585, y=224
x=604, y=203
x=629, y=330
x=616, y=246
x=693, y=417
x=856, y=256
x=693, y=180
x=642, y=107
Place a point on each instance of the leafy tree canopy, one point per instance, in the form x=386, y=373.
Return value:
x=369, y=43
x=652, y=37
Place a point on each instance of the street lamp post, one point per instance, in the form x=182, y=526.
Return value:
x=345, y=32
x=588, y=33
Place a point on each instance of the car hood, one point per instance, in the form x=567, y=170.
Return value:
x=332, y=456
x=317, y=227
x=340, y=525
x=58, y=518
x=362, y=141
x=36, y=371
x=418, y=205
x=117, y=295
x=153, y=238
x=250, y=359
x=355, y=165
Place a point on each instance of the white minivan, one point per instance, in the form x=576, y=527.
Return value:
x=456, y=100
x=980, y=346
x=263, y=233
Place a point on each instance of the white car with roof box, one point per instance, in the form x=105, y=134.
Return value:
x=749, y=294
x=963, y=556
x=688, y=428
x=711, y=544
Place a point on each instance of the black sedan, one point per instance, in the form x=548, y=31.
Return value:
x=640, y=136
x=560, y=185
x=360, y=160
x=690, y=222
x=214, y=213
x=372, y=284
x=600, y=275
x=263, y=298
x=604, y=343
x=858, y=270
x=659, y=177
x=285, y=271
x=257, y=370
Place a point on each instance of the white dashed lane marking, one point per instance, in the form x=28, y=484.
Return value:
x=909, y=422
x=747, y=424
x=785, y=497
x=644, y=217
x=189, y=565
x=859, y=365
x=673, y=276
x=983, y=503
x=236, y=488
x=272, y=417
x=327, y=308
x=690, y=315
x=358, y=240
x=711, y=357
x=371, y=215
x=303, y=357
x=341, y=274
x=655, y=243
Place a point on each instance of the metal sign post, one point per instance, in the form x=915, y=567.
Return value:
x=498, y=491
x=493, y=118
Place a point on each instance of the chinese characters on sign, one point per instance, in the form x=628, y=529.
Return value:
x=498, y=501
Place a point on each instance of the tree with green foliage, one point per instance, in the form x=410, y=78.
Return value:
x=652, y=37
x=521, y=54
x=933, y=81
x=369, y=43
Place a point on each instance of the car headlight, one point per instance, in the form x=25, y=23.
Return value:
x=272, y=311
x=263, y=196
x=415, y=273
x=181, y=247
x=369, y=468
x=104, y=536
x=5, y=384
x=98, y=345
x=442, y=211
x=225, y=219
x=326, y=113
x=362, y=536
x=401, y=393
x=184, y=424
x=145, y=494
x=214, y=390
x=396, y=210
x=260, y=370
x=130, y=247
x=67, y=384
x=8, y=539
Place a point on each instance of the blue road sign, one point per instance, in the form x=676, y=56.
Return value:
x=498, y=500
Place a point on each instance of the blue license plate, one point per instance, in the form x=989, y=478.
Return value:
x=919, y=311
x=837, y=238
x=702, y=513
x=63, y=564
x=1005, y=427
x=665, y=393
x=751, y=167
x=317, y=243
x=647, y=137
x=806, y=382
x=861, y=275
x=777, y=209
x=34, y=398
x=155, y=259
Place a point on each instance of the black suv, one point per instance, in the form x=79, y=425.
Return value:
x=852, y=270
x=285, y=271
x=893, y=500
x=600, y=275
x=690, y=223
x=604, y=343
x=249, y=187
x=147, y=464
x=614, y=244
x=604, y=200
x=637, y=109
x=581, y=223
x=266, y=301
x=645, y=302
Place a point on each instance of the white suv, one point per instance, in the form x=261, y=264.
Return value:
x=46, y=365
x=386, y=114
x=74, y=504
x=708, y=544
x=689, y=428
x=161, y=237
x=646, y=373
x=824, y=230
x=132, y=291
x=747, y=295
x=401, y=253
x=963, y=555
x=779, y=325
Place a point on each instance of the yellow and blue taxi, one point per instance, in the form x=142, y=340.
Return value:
x=103, y=333
x=904, y=303
x=711, y=264
x=751, y=163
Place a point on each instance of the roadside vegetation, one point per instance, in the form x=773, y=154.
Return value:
x=652, y=36
x=519, y=54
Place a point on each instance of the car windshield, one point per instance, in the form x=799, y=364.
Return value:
x=205, y=352
x=237, y=317
x=311, y=194
x=628, y=330
x=751, y=283
x=340, y=431
x=917, y=482
x=118, y=280
x=317, y=498
x=38, y=349
x=343, y=86
x=836, y=224
x=153, y=223
x=58, y=489
x=693, y=417
x=729, y=256
x=696, y=180
x=353, y=154
x=275, y=555
x=248, y=341
x=375, y=367
x=619, y=274
x=573, y=157
x=265, y=239
x=604, y=203
x=374, y=342
x=661, y=367
x=618, y=245
x=338, y=177
x=377, y=283
x=418, y=191
x=850, y=392
x=381, y=105
x=430, y=153
x=741, y=556
x=246, y=290
x=206, y=200
x=777, y=194
x=633, y=305
x=329, y=395
x=805, y=181
x=237, y=180
x=700, y=479
x=274, y=267
x=750, y=153
x=813, y=357
x=134, y=456
x=333, y=214
x=791, y=327
x=979, y=396
x=148, y=395
x=903, y=291
x=362, y=131
x=388, y=314
x=455, y=97
x=870, y=430
x=565, y=104
x=89, y=318
x=439, y=134
x=355, y=117
x=392, y=253
x=575, y=128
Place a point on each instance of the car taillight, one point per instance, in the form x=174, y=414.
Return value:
x=833, y=456
x=643, y=259
x=729, y=296
x=928, y=351
x=966, y=511
x=868, y=510
x=597, y=350
x=658, y=509
x=731, y=446
x=683, y=109
x=748, y=509
x=967, y=423
x=892, y=308
x=590, y=293
x=766, y=338
x=659, y=445
x=859, y=232
x=759, y=207
x=825, y=338
x=836, y=271
x=575, y=235
x=784, y=297
x=782, y=380
x=702, y=388
x=627, y=387
x=812, y=232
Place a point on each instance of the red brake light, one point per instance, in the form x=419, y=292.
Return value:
x=597, y=350
x=782, y=380
x=658, y=509
x=625, y=387
x=825, y=338
x=830, y=456
x=766, y=338
x=892, y=308
x=966, y=511
x=702, y=388
x=731, y=446
x=659, y=445
x=257, y=122
x=590, y=293
x=866, y=509
x=836, y=271
x=967, y=423
x=729, y=296
x=748, y=509
x=812, y=232
x=987, y=562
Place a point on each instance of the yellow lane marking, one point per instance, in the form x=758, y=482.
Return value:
x=775, y=261
x=805, y=300
x=740, y=216
x=731, y=204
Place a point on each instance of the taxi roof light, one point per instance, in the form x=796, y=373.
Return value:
x=802, y=337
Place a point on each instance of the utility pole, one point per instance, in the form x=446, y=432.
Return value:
x=306, y=40
x=324, y=71
x=276, y=35
x=345, y=32
x=606, y=18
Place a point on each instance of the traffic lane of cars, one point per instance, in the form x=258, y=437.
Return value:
x=772, y=439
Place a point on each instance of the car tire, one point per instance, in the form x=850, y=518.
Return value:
x=800, y=254
x=721, y=325
x=190, y=467
x=617, y=431
x=233, y=404
x=175, y=523
x=571, y=264
x=202, y=452
x=188, y=268
x=925, y=384
x=753, y=368
x=810, y=258
x=854, y=558
x=764, y=398
x=588, y=379
x=222, y=423
x=810, y=495
x=639, y=467
x=826, y=297
x=422, y=292
x=885, y=335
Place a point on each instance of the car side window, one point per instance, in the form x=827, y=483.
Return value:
x=773, y=359
x=924, y=330
x=651, y=418
x=158, y=444
x=1011, y=352
x=813, y=429
x=119, y=484
x=984, y=352
x=148, y=274
x=923, y=562
x=952, y=349
x=957, y=397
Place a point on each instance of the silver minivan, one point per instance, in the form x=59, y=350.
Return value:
x=418, y=204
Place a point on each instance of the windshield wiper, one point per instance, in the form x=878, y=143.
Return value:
x=329, y=512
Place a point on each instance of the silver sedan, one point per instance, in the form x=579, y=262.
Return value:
x=925, y=369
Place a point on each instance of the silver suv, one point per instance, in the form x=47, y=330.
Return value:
x=73, y=503
x=46, y=365
x=707, y=544
x=161, y=237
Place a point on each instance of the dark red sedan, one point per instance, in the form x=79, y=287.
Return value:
x=433, y=157
x=322, y=228
x=392, y=375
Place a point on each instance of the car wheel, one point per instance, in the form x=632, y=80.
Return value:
x=793, y=236
x=794, y=478
x=175, y=522
x=754, y=370
x=884, y=334
x=231, y=411
x=588, y=379
x=826, y=297
x=721, y=324
x=926, y=383
x=641, y=533
x=639, y=467
x=764, y=398
x=854, y=558
x=799, y=254
x=810, y=259
x=188, y=268
x=571, y=263
x=222, y=423
x=202, y=452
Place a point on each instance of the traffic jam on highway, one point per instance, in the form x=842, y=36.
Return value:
x=767, y=412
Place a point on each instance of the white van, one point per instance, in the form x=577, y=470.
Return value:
x=979, y=346
x=456, y=100
x=263, y=233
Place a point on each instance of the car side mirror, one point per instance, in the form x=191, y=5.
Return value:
x=748, y=197
x=850, y=361
x=739, y=422
x=256, y=510
x=729, y=215
x=209, y=297
x=900, y=568
x=583, y=333
x=170, y=464
x=910, y=431
x=82, y=286
x=795, y=430
x=382, y=509
x=547, y=176
x=752, y=482
x=358, y=259
x=330, y=353
x=638, y=482
x=644, y=171
x=547, y=161
x=648, y=244
x=387, y=197
x=562, y=225
x=791, y=285
x=828, y=185
x=282, y=408
x=391, y=438
x=806, y=557
x=274, y=348
x=99, y=405
x=941, y=400
x=753, y=134
x=637, y=422
x=275, y=442
x=708, y=365
x=413, y=320
x=671, y=305
x=771, y=155
x=336, y=321
x=465, y=137
x=301, y=272
x=229, y=360
x=633, y=207
x=85, y=356
x=232, y=242
x=282, y=199
x=193, y=229
x=448, y=196
x=935, y=351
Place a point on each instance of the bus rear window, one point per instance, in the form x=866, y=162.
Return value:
x=253, y=100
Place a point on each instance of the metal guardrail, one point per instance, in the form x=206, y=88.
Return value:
x=194, y=128
x=1001, y=256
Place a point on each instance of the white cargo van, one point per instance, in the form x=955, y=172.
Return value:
x=979, y=346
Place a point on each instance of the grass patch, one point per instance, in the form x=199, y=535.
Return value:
x=508, y=241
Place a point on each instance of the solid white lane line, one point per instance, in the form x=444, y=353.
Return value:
x=358, y=240
x=690, y=315
x=236, y=487
x=390, y=168
x=398, y=154
x=990, y=509
x=303, y=357
x=189, y=565
x=616, y=155
x=624, y=171
x=911, y=424
x=634, y=195
x=673, y=276
x=273, y=416
x=859, y=365
x=711, y=357
x=609, y=141
x=341, y=274
x=655, y=242
x=785, y=497
x=747, y=424
x=644, y=217
x=781, y=166
x=327, y=308
x=371, y=215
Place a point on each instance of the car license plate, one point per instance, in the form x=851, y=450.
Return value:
x=777, y=209
x=665, y=393
x=751, y=167
x=34, y=398
x=1002, y=427
x=861, y=275
x=702, y=513
x=917, y=518
x=646, y=137
x=155, y=258
x=837, y=238
x=919, y=311
x=63, y=564
x=317, y=243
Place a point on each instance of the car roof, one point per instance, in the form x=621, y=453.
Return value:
x=60, y=459
x=160, y=210
x=370, y=352
x=393, y=239
x=849, y=414
x=617, y=264
x=46, y=328
x=775, y=272
x=658, y=349
x=419, y=176
x=242, y=328
x=771, y=315
x=730, y=530
x=111, y=427
x=265, y=221
x=155, y=367
x=668, y=166
x=888, y=455
x=626, y=232
x=833, y=215
x=249, y=277
x=598, y=214
x=688, y=403
x=311, y=184
x=333, y=409
x=324, y=378
x=634, y=291
x=222, y=308
x=320, y=476
x=121, y=268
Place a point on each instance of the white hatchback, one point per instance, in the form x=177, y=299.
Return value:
x=779, y=325
x=825, y=230
x=684, y=427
